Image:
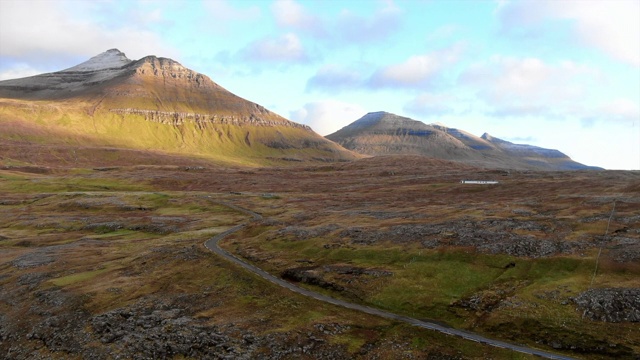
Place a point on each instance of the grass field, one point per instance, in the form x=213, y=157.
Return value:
x=504, y=261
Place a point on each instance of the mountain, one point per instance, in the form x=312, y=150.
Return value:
x=382, y=133
x=152, y=104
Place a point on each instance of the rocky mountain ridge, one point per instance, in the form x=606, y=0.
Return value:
x=383, y=133
x=110, y=59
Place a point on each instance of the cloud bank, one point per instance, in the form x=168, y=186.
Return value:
x=52, y=35
x=513, y=86
x=283, y=49
x=327, y=116
x=610, y=26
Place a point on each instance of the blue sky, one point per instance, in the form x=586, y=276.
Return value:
x=561, y=74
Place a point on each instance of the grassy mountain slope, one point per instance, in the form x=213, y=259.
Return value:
x=154, y=104
x=383, y=133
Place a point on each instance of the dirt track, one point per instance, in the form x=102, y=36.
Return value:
x=212, y=245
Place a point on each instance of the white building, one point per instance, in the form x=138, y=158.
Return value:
x=478, y=182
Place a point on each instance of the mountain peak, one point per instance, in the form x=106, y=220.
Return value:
x=109, y=98
x=383, y=133
x=377, y=114
x=156, y=61
x=487, y=137
x=383, y=124
x=372, y=117
x=383, y=118
x=110, y=59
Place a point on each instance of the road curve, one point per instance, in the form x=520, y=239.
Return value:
x=212, y=244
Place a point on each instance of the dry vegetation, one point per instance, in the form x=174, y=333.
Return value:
x=106, y=259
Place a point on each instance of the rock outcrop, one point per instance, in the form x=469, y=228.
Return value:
x=610, y=304
x=179, y=118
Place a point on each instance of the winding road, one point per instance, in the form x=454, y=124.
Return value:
x=212, y=244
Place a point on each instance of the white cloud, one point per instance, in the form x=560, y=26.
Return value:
x=347, y=27
x=528, y=86
x=444, y=32
x=417, y=71
x=289, y=13
x=430, y=104
x=611, y=26
x=286, y=48
x=520, y=110
x=385, y=21
x=623, y=110
x=56, y=32
x=327, y=116
x=223, y=10
x=334, y=78
x=18, y=71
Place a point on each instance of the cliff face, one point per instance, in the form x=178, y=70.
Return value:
x=180, y=118
x=161, y=84
x=172, y=71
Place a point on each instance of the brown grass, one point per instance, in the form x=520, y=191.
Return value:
x=111, y=268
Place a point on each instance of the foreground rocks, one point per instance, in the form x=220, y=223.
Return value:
x=511, y=236
x=610, y=304
x=149, y=333
x=156, y=330
x=342, y=274
x=57, y=326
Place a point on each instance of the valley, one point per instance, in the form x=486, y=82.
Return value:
x=118, y=251
x=147, y=212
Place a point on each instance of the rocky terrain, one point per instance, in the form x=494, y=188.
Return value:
x=535, y=235
x=160, y=328
x=499, y=236
x=610, y=304
x=108, y=261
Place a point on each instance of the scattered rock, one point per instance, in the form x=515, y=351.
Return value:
x=302, y=233
x=489, y=299
x=309, y=275
x=33, y=259
x=362, y=236
x=489, y=236
x=32, y=280
x=339, y=274
x=610, y=304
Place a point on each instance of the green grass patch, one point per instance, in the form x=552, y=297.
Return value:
x=23, y=184
x=352, y=340
x=121, y=233
x=77, y=278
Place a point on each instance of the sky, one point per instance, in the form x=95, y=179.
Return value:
x=560, y=74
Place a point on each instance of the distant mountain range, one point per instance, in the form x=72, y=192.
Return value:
x=152, y=104
x=382, y=133
x=155, y=105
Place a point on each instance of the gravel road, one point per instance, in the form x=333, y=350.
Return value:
x=212, y=244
